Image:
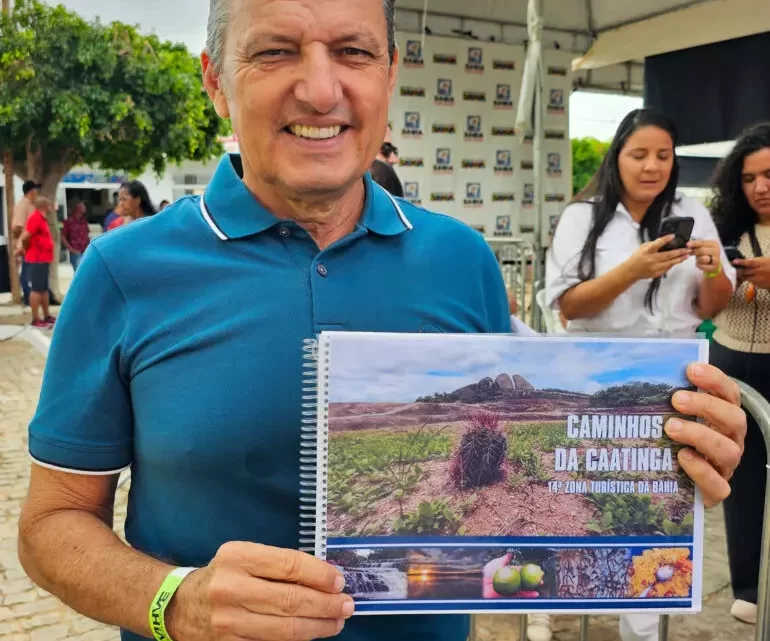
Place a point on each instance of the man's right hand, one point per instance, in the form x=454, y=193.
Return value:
x=260, y=593
x=649, y=262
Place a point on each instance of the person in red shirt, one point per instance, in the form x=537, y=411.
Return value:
x=75, y=235
x=36, y=244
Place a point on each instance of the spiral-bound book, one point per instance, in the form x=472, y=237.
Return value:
x=461, y=473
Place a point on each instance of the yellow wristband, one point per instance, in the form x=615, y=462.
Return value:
x=715, y=273
x=161, y=601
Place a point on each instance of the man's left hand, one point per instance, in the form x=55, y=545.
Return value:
x=755, y=270
x=716, y=445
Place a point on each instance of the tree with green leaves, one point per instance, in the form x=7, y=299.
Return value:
x=587, y=156
x=75, y=92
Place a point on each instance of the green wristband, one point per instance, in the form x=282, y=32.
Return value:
x=161, y=601
x=715, y=273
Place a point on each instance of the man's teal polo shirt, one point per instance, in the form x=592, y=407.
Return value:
x=178, y=352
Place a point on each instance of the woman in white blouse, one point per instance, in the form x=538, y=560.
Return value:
x=606, y=272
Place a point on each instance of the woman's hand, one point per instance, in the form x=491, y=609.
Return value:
x=716, y=445
x=707, y=254
x=755, y=270
x=649, y=262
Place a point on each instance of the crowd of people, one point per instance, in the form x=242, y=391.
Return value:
x=201, y=394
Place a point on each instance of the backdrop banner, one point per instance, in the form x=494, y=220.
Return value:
x=453, y=114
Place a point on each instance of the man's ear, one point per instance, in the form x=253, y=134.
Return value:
x=393, y=73
x=213, y=83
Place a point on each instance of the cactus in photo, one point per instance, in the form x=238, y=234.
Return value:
x=480, y=457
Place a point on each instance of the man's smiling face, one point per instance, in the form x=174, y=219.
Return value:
x=306, y=84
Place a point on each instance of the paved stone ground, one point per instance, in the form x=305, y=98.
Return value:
x=30, y=614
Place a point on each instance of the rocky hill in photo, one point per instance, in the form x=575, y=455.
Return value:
x=504, y=386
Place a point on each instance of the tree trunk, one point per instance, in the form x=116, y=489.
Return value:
x=49, y=174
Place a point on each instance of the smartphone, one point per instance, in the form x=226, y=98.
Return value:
x=681, y=227
x=733, y=253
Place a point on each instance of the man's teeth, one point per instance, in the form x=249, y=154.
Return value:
x=316, y=133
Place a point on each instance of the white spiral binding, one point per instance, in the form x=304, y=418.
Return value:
x=313, y=452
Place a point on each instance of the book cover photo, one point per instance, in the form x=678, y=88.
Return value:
x=473, y=473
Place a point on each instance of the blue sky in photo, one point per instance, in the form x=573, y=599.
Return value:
x=398, y=369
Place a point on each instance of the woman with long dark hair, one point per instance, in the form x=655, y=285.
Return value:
x=133, y=203
x=609, y=271
x=741, y=345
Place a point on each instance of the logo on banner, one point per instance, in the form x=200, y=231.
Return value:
x=503, y=97
x=473, y=195
x=554, y=164
x=528, y=199
x=444, y=94
x=473, y=129
x=413, y=57
x=507, y=65
x=557, y=71
x=415, y=92
x=411, y=162
x=442, y=197
x=443, y=161
x=555, y=198
x=500, y=197
x=444, y=59
x=503, y=131
x=503, y=225
x=503, y=162
x=444, y=129
x=412, y=192
x=474, y=164
x=474, y=96
x=554, y=134
x=475, y=62
x=527, y=165
x=556, y=101
x=412, y=128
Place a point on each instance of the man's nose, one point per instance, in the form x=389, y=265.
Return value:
x=318, y=85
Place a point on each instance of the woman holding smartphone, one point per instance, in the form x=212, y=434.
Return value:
x=741, y=346
x=608, y=270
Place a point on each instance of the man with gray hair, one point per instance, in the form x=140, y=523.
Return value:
x=185, y=334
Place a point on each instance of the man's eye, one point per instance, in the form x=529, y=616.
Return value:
x=272, y=53
x=353, y=51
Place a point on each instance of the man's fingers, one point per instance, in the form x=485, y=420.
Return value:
x=713, y=486
x=245, y=625
x=278, y=564
x=721, y=415
x=723, y=452
x=714, y=381
x=291, y=600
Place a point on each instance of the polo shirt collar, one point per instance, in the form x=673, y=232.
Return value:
x=232, y=211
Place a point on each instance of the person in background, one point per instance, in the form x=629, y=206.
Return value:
x=36, y=245
x=741, y=345
x=133, y=203
x=111, y=215
x=21, y=212
x=388, y=152
x=387, y=178
x=75, y=234
x=607, y=270
x=163, y=205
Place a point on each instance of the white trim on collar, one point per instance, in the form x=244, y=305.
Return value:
x=401, y=214
x=210, y=222
x=222, y=236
